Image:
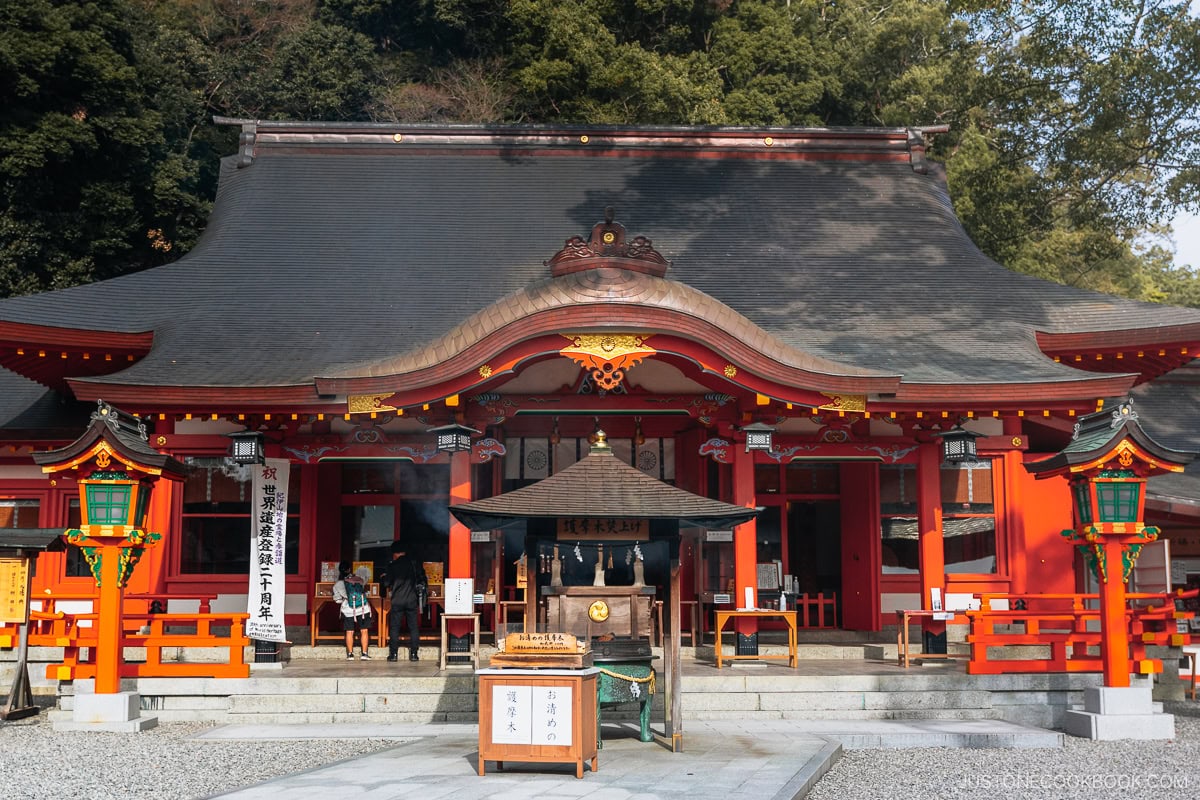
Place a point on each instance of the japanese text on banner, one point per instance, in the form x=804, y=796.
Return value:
x=268, y=531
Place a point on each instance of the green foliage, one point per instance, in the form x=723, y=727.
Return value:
x=75, y=145
x=1073, y=126
x=319, y=72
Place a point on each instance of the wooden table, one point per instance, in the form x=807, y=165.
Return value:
x=473, y=652
x=319, y=601
x=788, y=617
x=902, y=642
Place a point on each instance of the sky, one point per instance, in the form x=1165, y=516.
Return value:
x=1187, y=239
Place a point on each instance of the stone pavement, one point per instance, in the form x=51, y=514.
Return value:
x=722, y=760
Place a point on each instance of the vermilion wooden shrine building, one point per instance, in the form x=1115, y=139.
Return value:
x=361, y=284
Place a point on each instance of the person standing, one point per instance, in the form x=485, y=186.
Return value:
x=351, y=594
x=406, y=586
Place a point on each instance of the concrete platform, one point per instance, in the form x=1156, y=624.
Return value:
x=722, y=760
x=724, y=765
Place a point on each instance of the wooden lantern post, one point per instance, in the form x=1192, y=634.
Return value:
x=116, y=470
x=1107, y=463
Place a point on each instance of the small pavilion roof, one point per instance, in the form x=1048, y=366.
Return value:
x=125, y=434
x=1098, y=434
x=600, y=486
x=32, y=540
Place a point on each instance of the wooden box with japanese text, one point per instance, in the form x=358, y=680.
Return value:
x=546, y=715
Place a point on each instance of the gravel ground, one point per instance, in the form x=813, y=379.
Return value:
x=162, y=763
x=1080, y=770
x=166, y=762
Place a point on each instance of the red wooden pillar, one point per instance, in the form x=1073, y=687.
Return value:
x=152, y=577
x=745, y=545
x=929, y=525
x=862, y=557
x=460, y=534
x=1014, y=509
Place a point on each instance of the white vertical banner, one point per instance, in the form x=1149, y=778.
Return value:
x=268, y=531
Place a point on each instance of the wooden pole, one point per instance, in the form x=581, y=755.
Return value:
x=20, y=699
x=674, y=699
x=1114, y=633
x=110, y=623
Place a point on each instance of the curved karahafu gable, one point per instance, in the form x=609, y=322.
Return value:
x=334, y=246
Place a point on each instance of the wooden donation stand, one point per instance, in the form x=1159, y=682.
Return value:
x=546, y=714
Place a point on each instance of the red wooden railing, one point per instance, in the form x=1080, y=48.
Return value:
x=1071, y=631
x=76, y=634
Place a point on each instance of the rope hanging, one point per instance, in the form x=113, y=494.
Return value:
x=648, y=679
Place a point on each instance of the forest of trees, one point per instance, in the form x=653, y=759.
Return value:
x=1074, y=124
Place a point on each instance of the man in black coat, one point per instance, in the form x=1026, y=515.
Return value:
x=405, y=579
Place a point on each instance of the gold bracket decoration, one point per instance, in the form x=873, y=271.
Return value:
x=607, y=355
x=364, y=403
x=130, y=550
x=845, y=402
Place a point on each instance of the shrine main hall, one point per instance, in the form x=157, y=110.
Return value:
x=790, y=321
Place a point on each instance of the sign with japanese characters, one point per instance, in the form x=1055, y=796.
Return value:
x=14, y=590
x=532, y=715
x=547, y=643
x=603, y=529
x=268, y=531
x=460, y=595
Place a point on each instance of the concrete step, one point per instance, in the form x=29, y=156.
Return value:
x=861, y=734
x=383, y=693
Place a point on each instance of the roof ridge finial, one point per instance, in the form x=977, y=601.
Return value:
x=608, y=247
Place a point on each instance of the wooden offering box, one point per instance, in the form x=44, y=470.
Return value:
x=538, y=715
x=627, y=609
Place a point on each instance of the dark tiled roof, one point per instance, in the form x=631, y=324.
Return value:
x=1169, y=409
x=600, y=486
x=29, y=408
x=321, y=257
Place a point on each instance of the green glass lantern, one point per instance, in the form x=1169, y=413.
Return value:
x=1117, y=500
x=113, y=498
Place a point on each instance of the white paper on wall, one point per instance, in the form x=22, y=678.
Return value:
x=459, y=595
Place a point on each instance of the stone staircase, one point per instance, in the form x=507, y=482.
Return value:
x=833, y=682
